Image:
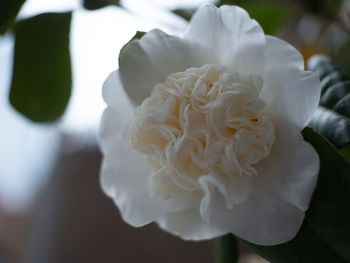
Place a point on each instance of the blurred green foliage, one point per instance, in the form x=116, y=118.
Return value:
x=345, y=151
x=343, y=56
x=8, y=12
x=97, y=4
x=270, y=15
x=185, y=13
x=226, y=249
x=321, y=7
x=41, y=80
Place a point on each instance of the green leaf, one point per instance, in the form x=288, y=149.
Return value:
x=333, y=118
x=345, y=152
x=332, y=125
x=97, y=4
x=325, y=233
x=225, y=249
x=8, y=12
x=137, y=36
x=41, y=79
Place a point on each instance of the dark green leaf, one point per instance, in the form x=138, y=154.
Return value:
x=329, y=212
x=137, y=36
x=345, y=152
x=41, y=80
x=185, y=13
x=325, y=233
x=333, y=118
x=306, y=247
x=229, y=2
x=8, y=12
x=97, y=4
x=332, y=125
x=225, y=249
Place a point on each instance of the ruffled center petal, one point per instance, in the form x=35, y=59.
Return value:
x=203, y=130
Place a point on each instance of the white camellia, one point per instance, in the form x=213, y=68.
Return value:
x=202, y=133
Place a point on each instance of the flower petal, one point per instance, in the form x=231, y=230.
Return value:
x=115, y=97
x=120, y=178
x=151, y=59
x=291, y=169
x=290, y=92
x=264, y=220
x=233, y=194
x=282, y=191
x=237, y=40
x=124, y=174
x=189, y=225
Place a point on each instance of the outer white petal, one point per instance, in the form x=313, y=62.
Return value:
x=290, y=92
x=291, y=170
x=264, y=220
x=237, y=40
x=189, y=225
x=282, y=191
x=151, y=59
x=115, y=97
x=123, y=172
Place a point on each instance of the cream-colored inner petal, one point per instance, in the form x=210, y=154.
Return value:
x=206, y=121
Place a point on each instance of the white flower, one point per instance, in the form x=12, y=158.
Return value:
x=208, y=140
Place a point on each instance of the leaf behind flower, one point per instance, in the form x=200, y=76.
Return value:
x=325, y=233
x=8, y=13
x=41, y=79
x=332, y=119
x=97, y=4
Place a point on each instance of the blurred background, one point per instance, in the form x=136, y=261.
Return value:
x=54, y=57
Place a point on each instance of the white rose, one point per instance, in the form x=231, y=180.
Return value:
x=202, y=132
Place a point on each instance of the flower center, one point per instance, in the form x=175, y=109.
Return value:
x=204, y=121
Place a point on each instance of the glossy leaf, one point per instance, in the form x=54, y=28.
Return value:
x=41, y=80
x=325, y=233
x=332, y=119
x=8, y=12
x=333, y=125
x=225, y=249
x=97, y=4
